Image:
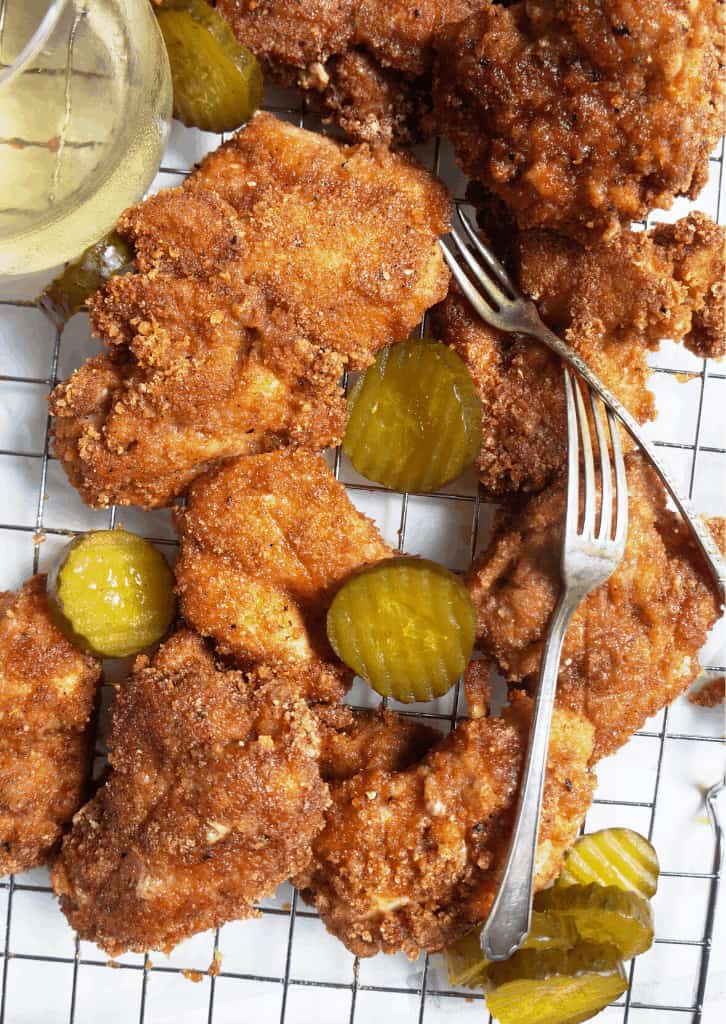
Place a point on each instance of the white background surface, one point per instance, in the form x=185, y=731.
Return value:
x=655, y=784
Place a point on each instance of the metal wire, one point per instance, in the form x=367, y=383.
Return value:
x=287, y=981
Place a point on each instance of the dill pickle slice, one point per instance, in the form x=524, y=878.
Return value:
x=113, y=592
x=603, y=913
x=217, y=81
x=555, y=986
x=70, y=291
x=467, y=966
x=414, y=417
x=405, y=625
x=613, y=856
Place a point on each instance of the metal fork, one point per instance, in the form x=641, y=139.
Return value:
x=590, y=554
x=499, y=302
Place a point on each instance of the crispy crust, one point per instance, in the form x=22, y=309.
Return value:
x=265, y=542
x=410, y=859
x=285, y=259
x=584, y=115
x=632, y=645
x=47, y=696
x=212, y=801
x=366, y=65
x=612, y=303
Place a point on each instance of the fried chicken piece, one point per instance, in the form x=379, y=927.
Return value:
x=632, y=645
x=265, y=543
x=612, y=303
x=410, y=860
x=285, y=259
x=584, y=115
x=47, y=698
x=367, y=65
x=212, y=801
x=352, y=741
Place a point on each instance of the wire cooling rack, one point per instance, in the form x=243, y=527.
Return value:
x=284, y=968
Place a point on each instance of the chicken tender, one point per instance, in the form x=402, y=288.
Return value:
x=366, y=65
x=612, y=303
x=285, y=259
x=265, y=543
x=584, y=115
x=410, y=860
x=212, y=801
x=47, y=698
x=632, y=645
x=353, y=741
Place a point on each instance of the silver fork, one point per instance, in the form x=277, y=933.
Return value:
x=590, y=554
x=499, y=302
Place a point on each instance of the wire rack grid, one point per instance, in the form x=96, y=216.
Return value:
x=284, y=968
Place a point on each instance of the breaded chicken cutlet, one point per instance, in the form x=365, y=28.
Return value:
x=285, y=259
x=410, y=857
x=213, y=798
x=366, y=65
x=266, y=541
x=632, y=645
x=47, y=698
x=612, y=302
x=583, y=115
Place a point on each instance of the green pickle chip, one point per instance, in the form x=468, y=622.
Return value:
x=603, y=913
x=406, y=625
x=70, y=291
x=114, y=593
x=414, y=417
x=555, y=986
x=467, y=966
x=217, y=81
x=613, y=856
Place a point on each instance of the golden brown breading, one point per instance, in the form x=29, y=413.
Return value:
x=366, y=64
x=212, y=801
x=353, y=741
x=47, y=697
x=612, y=303
x=409, y=860
x=285, y=259
x=632, y=645
x=696, y=246
x=584, y=114
x=265, y=542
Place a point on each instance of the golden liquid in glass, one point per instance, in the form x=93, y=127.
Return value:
x=82, y=126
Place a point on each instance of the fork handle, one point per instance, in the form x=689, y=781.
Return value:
x=701, y=532
x=509, y=919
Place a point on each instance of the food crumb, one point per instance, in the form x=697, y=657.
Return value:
x=710, y=694
x=148, y=964
x=285, y=906
x=191, y=975
x=113, y=963
x=216, y=965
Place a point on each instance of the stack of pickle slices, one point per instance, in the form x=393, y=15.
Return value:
x=570, y=966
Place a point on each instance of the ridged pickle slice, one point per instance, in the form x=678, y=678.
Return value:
x=217, y=82
x=405, y=625
x=414, y=417
x=603, y=913
x=467, y=966
x=113, y=592
x=555, y=986
x=613, y=856
x=70, y=291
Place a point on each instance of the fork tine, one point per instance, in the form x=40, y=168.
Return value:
x=485, y=252
x=573, y=460
x=606, y=480
x=485, y=311
x=588, y=524
x=491, y=289
x=621, y=484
